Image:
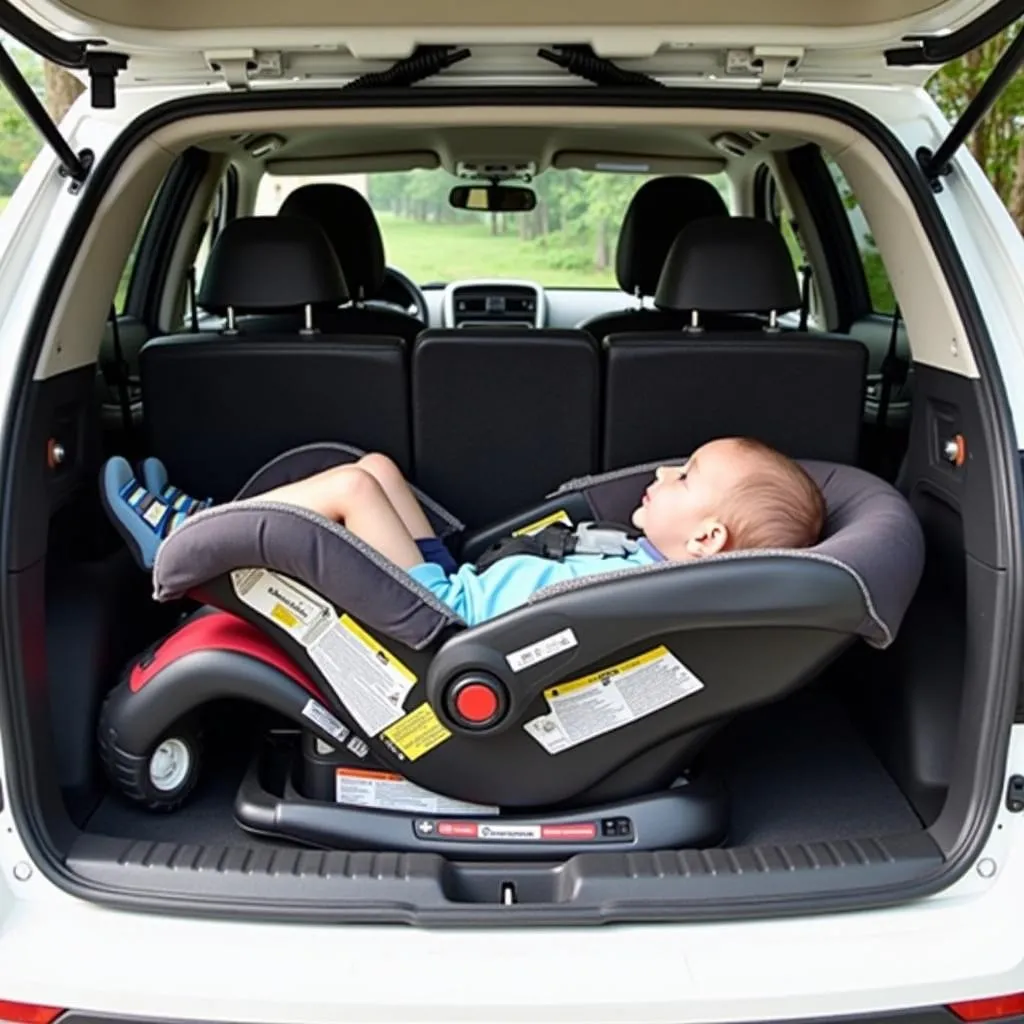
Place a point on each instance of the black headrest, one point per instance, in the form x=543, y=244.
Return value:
x=655, y=215
x=260, y=264
x=728, y=265
x=351, y=226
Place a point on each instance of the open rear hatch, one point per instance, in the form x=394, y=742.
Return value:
x=269, y=42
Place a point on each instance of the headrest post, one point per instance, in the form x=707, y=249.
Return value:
x=231, y=329
x=773, y=321
x=694, y=326
x=307, y=313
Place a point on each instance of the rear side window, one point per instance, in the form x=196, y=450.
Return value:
x=882, y=299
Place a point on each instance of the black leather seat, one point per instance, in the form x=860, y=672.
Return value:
x=501, y=418
x=217, y=406
x=658, y=211
x=351, y=227
x=670, y=391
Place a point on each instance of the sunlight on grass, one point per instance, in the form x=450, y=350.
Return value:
x=430, y=252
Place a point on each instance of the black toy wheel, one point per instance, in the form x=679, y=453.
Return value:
x=163, y=779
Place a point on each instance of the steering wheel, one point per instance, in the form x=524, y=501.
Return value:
x=399, y=290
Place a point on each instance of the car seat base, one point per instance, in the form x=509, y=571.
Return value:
x=270, y=802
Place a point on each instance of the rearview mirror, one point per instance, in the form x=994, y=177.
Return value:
x=492, y=198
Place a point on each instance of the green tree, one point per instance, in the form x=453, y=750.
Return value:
x=21, y=141
x=997, y=143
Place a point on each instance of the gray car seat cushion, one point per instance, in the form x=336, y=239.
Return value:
x=307, y=548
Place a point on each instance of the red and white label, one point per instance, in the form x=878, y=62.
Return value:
x=492, y=832
x=585, y=830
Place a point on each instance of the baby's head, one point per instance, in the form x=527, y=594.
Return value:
x=732, y=494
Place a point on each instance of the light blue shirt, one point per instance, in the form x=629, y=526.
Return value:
x=511, y=581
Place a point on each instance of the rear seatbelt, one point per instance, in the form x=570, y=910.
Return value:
x=192, y=298
x=119, y=375
x=558, y=540
x=894, y=372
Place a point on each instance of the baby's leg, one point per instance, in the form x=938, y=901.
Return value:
x=405, y=503
x=353, y=497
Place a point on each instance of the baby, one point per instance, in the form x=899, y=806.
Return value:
x=731, y=494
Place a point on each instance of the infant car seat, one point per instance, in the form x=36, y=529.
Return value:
x=562, y=725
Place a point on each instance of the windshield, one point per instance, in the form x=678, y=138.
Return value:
x=567, y=241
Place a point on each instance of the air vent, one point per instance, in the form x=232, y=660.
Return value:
x=498, y=304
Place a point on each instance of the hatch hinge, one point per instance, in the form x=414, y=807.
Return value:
x=240, y=66
x=770, y=64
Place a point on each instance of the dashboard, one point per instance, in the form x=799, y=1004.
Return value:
x=506, y=302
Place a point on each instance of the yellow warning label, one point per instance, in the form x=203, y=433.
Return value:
x=418, y=733
x=284, y=616
x=384, y=656
x=607, y=673
x=561, y=516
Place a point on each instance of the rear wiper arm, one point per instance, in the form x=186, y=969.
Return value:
x=584, y=63
x=423, y=63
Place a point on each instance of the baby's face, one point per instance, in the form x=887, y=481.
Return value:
x=678, y=511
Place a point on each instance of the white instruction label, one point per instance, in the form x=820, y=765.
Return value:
x=323, y=718
x=387, y=792
x=295, y=608
x=541, y=650
x=370, y=681
x=372, y=684
x=611, y=699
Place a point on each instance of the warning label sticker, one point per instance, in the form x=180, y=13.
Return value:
x=418, y=733
x=292, y=606
x=611, y=699
x=533, y=654
x=322, y=717
x=371, y=682
x=561, y=516
x=511, y=833
x=384, y=791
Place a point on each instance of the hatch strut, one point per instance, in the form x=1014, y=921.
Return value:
x=584, y=63
x=936, y=164
x=73, y=165
x=421, y=64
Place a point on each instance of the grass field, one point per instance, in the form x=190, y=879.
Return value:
x=445, y=252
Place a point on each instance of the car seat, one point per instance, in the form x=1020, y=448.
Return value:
x=564, y=724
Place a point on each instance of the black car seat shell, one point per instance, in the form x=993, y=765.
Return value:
x=656, y=214
x=669, y=390
x=218, y=405
x=686, y=646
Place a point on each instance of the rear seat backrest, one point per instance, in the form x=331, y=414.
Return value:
x=219, y=405
x=668, y=392
x=502, y=417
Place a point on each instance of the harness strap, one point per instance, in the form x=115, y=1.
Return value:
x=558, y=540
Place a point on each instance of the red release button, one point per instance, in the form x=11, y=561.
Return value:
x=476, y=703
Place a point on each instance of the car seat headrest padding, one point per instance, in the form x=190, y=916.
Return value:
x=267, y=264
x=308, y=549
x=656, y=213
x=299, y=463
x=728, y=265
x=349, y=223
x=870, y=531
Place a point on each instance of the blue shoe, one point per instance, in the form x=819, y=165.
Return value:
x=141, y=516
x=154, y=479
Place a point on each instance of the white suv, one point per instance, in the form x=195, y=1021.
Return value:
x=831, y=826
